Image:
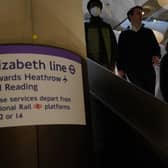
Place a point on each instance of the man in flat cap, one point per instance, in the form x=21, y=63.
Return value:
x=100, y=39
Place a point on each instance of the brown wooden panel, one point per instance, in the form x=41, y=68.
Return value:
x=64, y=146
x=18, y=147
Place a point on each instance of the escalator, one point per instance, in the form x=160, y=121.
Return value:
x=129, y=125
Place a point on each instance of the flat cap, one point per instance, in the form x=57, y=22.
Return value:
x=92, y=3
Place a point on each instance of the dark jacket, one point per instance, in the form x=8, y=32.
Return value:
x=136, y=50
x=101, y=42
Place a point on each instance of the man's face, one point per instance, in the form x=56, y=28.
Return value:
x=95, y=9
x=136, y=17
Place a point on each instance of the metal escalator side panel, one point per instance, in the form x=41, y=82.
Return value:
x=142, y=111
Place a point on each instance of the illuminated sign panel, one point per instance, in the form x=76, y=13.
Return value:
x=40, y=85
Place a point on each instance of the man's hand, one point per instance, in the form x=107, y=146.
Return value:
x=121, y=73
x=155, y=60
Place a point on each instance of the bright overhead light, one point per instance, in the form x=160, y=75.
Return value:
x=163, y=3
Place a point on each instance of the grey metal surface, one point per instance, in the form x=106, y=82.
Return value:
x=147, y=114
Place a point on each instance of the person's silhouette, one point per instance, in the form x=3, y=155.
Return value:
x=100, y=39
